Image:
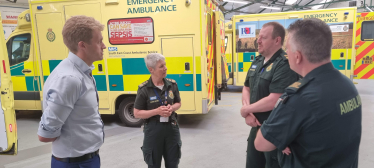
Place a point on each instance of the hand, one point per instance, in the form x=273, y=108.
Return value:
x=170, y=108
x=252, y=121
x=287, y=151
x=163, y=111
x=243, y=111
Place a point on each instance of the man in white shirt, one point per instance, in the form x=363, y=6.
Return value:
x=71, y=119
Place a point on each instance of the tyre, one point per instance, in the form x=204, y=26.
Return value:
x=126, y=113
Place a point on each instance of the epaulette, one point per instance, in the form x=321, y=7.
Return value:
x=171, y=80
x=143, y=84
x=285, y=56
x=293, y=88
x=257, y=57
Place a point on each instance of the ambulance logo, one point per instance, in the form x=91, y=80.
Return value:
x=51, y=35
x=171, y=95
x=112, y=49
x=269, y=67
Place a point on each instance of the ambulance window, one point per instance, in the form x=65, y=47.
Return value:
x=226, y=40
x=209, y=24
x=19, y=49
x=367, y=31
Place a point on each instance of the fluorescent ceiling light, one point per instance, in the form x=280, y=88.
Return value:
x=232, y=1
x=318, y=6
x=268, y=7
x=290, y=2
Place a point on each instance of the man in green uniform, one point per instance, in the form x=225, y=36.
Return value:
x=266, y=80
x=319, y=117
x=156, y=102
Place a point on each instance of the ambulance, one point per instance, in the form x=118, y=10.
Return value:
x=8, y=125
x=244, y=30
x=228, y=52
x=364, y=44
x=190, y=34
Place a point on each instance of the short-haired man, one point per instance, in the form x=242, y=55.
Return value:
x=318, y=117
x=266, y=80
x=71, y=119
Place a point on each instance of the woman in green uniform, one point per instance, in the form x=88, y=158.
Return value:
x=156, y=102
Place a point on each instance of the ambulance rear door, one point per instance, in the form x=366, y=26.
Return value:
x=364, y=44
x=8, y=126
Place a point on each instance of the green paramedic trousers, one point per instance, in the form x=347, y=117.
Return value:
x=256, y=159
x=161, y=139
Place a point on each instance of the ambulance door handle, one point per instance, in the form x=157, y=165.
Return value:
x=26, y=71
x=100, y=67
x=187, y=66
x=2, y=92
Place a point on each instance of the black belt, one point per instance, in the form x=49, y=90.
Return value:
x=78, y=159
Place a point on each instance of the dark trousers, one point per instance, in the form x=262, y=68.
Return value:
x=90, y=163
x=161, y=140
x=256, y=159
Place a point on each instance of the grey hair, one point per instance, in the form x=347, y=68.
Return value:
x=313, y=38
x=152, y=59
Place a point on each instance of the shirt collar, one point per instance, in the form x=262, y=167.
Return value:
x=80, y=64
x=321, y=69
x=150, y=83
x=276, y=54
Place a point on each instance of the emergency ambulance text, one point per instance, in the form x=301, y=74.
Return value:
x=166, y=8
x=139, y=2
x=326, y=17
x=150, y=9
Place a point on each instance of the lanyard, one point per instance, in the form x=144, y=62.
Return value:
x=159, y=98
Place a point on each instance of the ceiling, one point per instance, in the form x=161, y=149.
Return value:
x=21, y=3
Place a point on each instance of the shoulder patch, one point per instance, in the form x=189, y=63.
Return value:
x=293, y=88
x=143, y=84
x=171, y=80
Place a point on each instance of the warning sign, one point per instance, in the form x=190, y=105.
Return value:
x=131, y=31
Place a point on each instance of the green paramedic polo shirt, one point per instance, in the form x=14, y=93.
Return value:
x=146, y=98
x=272, y=77
x=319, y=118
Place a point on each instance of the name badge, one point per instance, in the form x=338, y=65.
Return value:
x=153, y=98
x=254, y=66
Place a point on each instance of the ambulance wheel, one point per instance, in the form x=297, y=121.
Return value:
x=126, y=113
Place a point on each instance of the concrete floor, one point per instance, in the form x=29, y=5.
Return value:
x=215, y=140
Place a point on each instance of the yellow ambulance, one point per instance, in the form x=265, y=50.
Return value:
x=8, y=125
x=228, y=52
x=245, y=29
x=190, y=34
x=364, y=44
